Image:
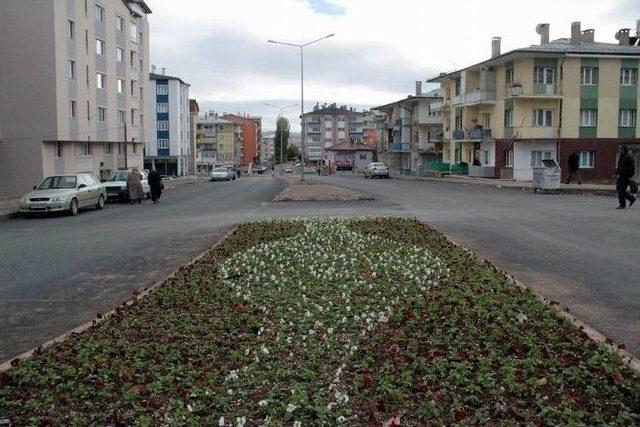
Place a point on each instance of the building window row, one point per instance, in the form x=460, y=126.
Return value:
x=163, y=143
x=162, y=89
x=101, y=47
x=102, y=114
x=627, y=118
x=163, y=125
x=162, y=107
x=588, y=117
x=589, y=76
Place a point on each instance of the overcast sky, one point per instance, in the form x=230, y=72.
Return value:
x=380, y=48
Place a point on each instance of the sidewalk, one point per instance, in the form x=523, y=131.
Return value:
x=9, y=204
x=597, y=189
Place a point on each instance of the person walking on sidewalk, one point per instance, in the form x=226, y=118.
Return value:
x=625, y=171
x=134, y=186
x=574, y=167
x=155, y=185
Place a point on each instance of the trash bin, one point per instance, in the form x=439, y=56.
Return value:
x=547, y=177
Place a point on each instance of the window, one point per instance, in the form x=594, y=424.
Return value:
x=133, y=32
x=627, y=118
x=509, y=76
x=163, y=143
x=133, y=88
x=120, y=86
x=99, y=13
x=119, y=23
x=588, y=118
x=537, y=156
x=72, y=109
x=163, y=107
x=508, y=158
x=71, y=69
x=102, y=114
x=162, y=89
x=119, y=54
x=100, y=47
x=587, y=159
x=486, y=120
x=58, y=150
x=457, y=87
x=122, y=116
x=163, y=125
x=132, y=58
x=133, y=116
x=508, y=118
x=85, y=148
x=101, y=80
x=589, y=76
x=543, y=75
x=71, y=29
x=485, y=157
x=628, y=76
x=107, y=148
x=542, y=118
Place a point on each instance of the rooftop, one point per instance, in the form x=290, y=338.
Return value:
x=155, y=76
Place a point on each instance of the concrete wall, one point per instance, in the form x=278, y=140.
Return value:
x=522, y=170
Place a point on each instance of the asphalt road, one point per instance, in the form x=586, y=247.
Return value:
x=56, y=273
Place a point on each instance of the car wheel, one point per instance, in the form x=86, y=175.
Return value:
x=148, y=196
x=100, y=203
x=73, y=207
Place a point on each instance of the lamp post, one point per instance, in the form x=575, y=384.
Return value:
x=280, y=116
x=302, y=140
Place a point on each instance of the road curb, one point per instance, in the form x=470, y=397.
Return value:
x=10, y=215
x=137, y=295
x=565, y=313
x=583, y=191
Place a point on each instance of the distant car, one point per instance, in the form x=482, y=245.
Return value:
x=376, y=169
x=288, y=169
x=221, y=174
x=60, y=193
x=116, y=185
x=260, y=169
x=231, y=168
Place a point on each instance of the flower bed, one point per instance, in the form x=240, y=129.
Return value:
x=364, y=321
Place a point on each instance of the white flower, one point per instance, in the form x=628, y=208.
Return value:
x=230, y=391
x=221, y=422
x=233, y=375
x=291, y=407
x=240, y=421
x=341, y=419
x=262, y=403
x=265, y=350
x=297, y=424
x=189, y=408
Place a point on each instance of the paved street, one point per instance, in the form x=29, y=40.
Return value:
x=58, y=272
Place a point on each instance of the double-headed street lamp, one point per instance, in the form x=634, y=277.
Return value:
x=302, y=141
x=280, y=116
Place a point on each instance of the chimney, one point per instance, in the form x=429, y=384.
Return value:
x=587, y=35
x=495, y=46
x=623, y=36
x=164, y=71
x=575, y=32
x=418, y=87
x=153, y=69
x=543, y=30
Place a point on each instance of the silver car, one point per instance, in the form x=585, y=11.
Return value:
x=221, y=174
x=116, y=185
x=376, y=169
x=61, y=193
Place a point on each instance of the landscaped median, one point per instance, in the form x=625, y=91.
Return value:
x=329, y=321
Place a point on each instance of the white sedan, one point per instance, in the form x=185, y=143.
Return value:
x=116, y=185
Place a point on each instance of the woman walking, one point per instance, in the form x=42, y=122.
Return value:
x=155, y=185
x=134, y=186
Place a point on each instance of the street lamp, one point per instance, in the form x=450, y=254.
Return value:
x=281, y=110
x=302, y=46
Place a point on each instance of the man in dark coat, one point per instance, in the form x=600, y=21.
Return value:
x=625, y=171
x=155, y=185
x=574, y=167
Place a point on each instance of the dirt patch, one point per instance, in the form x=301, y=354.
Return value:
x=305, y=191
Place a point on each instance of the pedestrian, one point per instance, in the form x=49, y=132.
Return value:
x=574, y=167
x=155, y=185
x=134, y=186
x=238, y=172
x=625, y=171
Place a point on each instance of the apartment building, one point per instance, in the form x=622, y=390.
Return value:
x=267, y=147
x=251, y=132
x=169, y=146
x=217, y=141
x=511, y=111
x=329, y=125
x=194, y=110
x=73, y=83
x=414, y=131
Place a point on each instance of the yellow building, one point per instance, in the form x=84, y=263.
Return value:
x=217, y=141
x=508, y=113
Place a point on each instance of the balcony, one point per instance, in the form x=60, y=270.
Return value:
x=435, y=136
x=426, y=119
x=535, y=91
x=532, y=132
x=400, y=147
x=458, y=134
x=477, y=97
x=480, y=133
x=426, y=147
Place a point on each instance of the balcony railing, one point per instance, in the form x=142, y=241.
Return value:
x=480, y=133
x=532, y=132
x=458, y=134
x=435, y=136
x=399, y=146
x=537, y=90
x=476, y=97
x=426, y=146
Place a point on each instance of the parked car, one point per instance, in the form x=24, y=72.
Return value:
x=60, y=193
x=116, y=185
x=288, y=169
x=376, y=169
x=260, y=169
x=221, y=174
x=231, y=168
